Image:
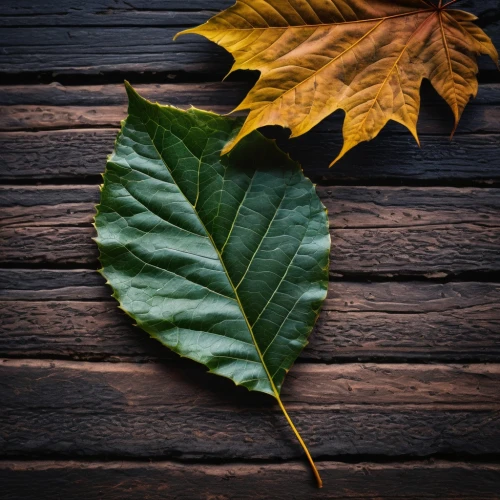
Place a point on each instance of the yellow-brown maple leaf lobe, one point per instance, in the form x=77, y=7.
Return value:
x=367, y=57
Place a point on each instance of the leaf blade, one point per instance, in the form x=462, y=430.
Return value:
x=147, y=243
x=366, y=58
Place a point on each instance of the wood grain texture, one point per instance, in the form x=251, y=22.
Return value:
x=432, y=251
x=141, y=12
x=159, y=480
x=75, y=155
x=375, y=230
x=95, y=50
x=71, y=315
x=107, y=13
x=125, y=410
x=77, y=151
x=74, y=9
x=115, y=11
x=349, y=207
x=48, y=284
x=82, y=108
x=179, y=94
x=85, y=41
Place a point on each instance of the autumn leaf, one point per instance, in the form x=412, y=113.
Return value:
x=222, y=259
x=366, y=57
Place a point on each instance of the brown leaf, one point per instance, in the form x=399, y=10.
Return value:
x=367, y=57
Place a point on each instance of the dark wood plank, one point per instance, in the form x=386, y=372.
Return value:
x=435, y=118
x=143, y=12
x=177, y=94
x=349, y=207
x=380, y=231
x=71, y=154
x=99, y=50
x=48, y=284
x=77, y=154
x=432, y=251
x=75, y=10
x=107, y=13
x=126, y=410
x=159, y=480
x=91, y=12
x=46, y=154
x=85, y=46
x=70, y=314
x=207, y=94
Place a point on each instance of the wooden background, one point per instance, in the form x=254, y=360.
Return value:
x=398, y=393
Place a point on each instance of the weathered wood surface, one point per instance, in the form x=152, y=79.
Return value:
x=133, y=43
x=35, y=117
x=206, y=95
x=135, y=400
x=169, y=410
x=70, y=314
x=143, y=12
x=112, y=13
x=98, y=50
x=376, y=231
x=75, y=155
x=77, y=151
x=227, y=94
x=92, y=108
x=348, y=207
x=159, y=480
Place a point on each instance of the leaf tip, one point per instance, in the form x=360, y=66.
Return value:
x=184, y=32
x=455, y=127
x=334, y=162
x=131, y=93
x=228, y=148
x=414, y=133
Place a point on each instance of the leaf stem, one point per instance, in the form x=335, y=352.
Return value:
x=301, y=441
x=269, y=376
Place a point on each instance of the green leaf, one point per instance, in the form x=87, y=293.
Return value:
x=222, y=259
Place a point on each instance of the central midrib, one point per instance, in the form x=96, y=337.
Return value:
x=238, y=300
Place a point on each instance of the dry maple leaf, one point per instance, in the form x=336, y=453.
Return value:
x=367, y=57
